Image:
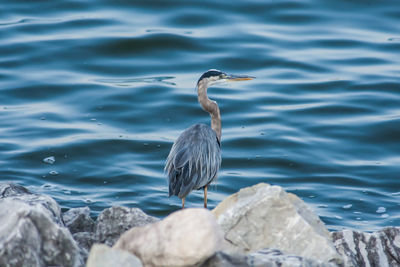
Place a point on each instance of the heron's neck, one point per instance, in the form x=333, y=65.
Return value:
x=211, y=107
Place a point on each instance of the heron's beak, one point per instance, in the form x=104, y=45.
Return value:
x=235, y=78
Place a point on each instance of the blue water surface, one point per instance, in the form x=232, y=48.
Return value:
x=105, y=87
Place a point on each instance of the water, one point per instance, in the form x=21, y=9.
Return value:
x=105, y=87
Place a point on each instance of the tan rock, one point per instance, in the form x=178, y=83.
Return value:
x=264, y=216
x=104, y=256
x=185, y=237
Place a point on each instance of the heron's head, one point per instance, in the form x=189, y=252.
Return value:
x=213, y=76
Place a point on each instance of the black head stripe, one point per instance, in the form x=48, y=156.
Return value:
x=209, y=74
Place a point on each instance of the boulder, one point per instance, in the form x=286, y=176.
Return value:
x=264, y=216
x=42, y=203
x=78, y=220
x=186, y=237
x=114, y=221
x=381, y=248
x=32, y=232
x=261, y=258
x=104, y=256
x=81, y=225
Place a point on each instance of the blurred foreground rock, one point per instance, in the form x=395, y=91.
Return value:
x=104, y=256
x=186, y=237
x=264, y=216
x=32, y=232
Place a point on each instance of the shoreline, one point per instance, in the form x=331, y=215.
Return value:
x=257, y=225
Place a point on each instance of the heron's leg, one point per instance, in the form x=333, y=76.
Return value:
x=183, y=203
x=205, y=196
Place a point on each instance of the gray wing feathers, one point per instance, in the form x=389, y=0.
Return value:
x=181, y=157
x=194, y=160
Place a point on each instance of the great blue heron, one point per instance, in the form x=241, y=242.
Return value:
x=195, y=156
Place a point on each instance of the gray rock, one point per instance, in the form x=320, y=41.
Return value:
x=276, y=258
x=104, y=256
x=186, y=237
x=266, y=216
x=78, y=220
x=381, y=248
x=225, y=259
x=261, y=258
x=114, y=221
x=81, y=225
x=84, y=240
x=32, y=232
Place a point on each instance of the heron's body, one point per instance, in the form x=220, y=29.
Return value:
x=195, y=157
x=194, y=160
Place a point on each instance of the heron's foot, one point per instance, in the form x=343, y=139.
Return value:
x=183, y=203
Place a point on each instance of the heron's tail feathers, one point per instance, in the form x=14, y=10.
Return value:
x=174, y=183
x=182, y=181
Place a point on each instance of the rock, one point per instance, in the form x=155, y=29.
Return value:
x=78, y=220
x=7, y=190
x=381, y=248
x=32, y=232
x=114, y=221
x=185, y=237
x=225, y=259
x=104, y=256
x=84, y=240
x=42, y=203
x=264, y=216
x=81, y=225
x=275, y=258
x=261, y=258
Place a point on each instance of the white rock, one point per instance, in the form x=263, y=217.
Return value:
x=104, y=256
x=185, y=237
x=264, y=216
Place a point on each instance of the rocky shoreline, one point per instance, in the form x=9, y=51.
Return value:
x=259, y=226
